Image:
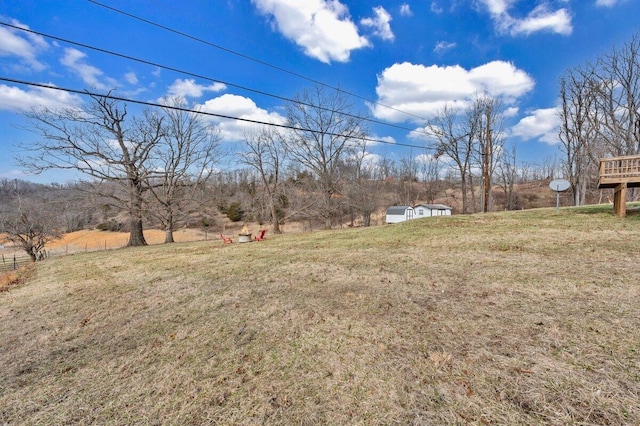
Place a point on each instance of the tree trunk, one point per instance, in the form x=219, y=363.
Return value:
x=136, y=237
x=168, y=231
x=275, y=220
x=463, y=189
x=366, y=218
x=472, y=190
x=327, y=210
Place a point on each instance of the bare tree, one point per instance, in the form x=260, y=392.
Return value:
x=429, y=172
x=299, y=196
x=266, y=155
x=30, y=225
x=324, y=127
x=181, y=164
x=617, y=82
x=578, y=135
x=600, y=113
x=454, y=139
x=101, y=142
x=363, y=184
x=485, y=115
x=507, y=174
x=408, y=188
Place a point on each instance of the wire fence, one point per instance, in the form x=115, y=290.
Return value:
x=12, y=258
x=13, y=262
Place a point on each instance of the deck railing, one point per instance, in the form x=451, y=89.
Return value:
x=618, y=170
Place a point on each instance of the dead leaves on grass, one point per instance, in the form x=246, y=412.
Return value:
x=440, y=360
x=17, y=277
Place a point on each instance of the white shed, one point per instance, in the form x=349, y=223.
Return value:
x=397, y=214
x=427, y=210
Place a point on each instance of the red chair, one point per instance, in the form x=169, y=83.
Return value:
x=226, y=240
x=260, y=236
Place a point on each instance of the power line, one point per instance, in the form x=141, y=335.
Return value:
x=210, y=114
x=250, y=58
x=177, y=70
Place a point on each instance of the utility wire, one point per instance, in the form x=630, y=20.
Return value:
x=250, y=58
x=214, y=80
x=210, y=114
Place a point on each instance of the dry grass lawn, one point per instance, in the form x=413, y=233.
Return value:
x=526, y=318
x=92, y=240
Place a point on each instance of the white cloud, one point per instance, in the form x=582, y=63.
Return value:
x=372, y=163
x=189, y=88
x=541, y=124
x=423, y=90
x=405, y=10
x=14, y=174
x=607, y=3
x=498, y=7
x=540, y=19
x=240, y=107
x=380, y=23
x=511, y=112
x=24, y=46
x=323, y=28
x=374, y=140
x=501, y=79
x=435, y=8
x=443, y=46
x=92, y=76
x=131, y=77
x=17, y=100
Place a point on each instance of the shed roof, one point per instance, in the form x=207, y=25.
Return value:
x=435, y=206
x=398, y=210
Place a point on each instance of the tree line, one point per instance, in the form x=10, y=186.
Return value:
x=599, y=114
x=167, y=168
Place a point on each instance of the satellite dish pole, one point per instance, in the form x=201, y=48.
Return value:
x=559, y=185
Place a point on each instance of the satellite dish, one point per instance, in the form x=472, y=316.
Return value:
x=559, y=185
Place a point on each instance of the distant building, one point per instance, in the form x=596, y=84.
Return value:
x=427, y=210
x=396, y=214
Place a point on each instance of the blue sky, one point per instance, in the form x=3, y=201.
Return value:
x=414, y=56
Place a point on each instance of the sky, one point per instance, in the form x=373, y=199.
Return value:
x=400, y=61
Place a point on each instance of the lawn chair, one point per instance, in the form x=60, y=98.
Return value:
x=226, y=240
x=260, y=236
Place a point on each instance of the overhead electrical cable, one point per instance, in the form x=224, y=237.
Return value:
x=250, y=58
x=191, y=74
x=210, y=114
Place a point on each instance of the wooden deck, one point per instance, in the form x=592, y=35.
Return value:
x=617, y=170
x=620, y=173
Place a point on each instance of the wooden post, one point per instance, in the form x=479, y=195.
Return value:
x=620, y=200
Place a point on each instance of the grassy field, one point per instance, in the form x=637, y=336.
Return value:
x=511, y=318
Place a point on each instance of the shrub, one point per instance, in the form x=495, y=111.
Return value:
x=234, y=212
x=111, y=225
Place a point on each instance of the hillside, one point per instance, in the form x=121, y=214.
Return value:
x=506, y=318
